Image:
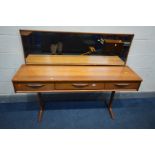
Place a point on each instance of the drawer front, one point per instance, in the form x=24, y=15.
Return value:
x=33, y=86
x=79, y=86
x=122, y=85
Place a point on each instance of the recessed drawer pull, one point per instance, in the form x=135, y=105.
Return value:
x=35, y=85
x=79, y=84
x=122, y=84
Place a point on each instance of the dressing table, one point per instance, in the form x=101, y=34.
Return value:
x=75, y=62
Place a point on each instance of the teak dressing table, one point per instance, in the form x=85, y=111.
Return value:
x=102, y=68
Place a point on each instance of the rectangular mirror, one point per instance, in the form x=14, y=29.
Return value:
x=45, y=47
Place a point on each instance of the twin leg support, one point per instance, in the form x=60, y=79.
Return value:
x=110, y=104
x=42, y=106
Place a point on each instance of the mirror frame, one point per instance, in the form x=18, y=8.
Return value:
x=27, y=31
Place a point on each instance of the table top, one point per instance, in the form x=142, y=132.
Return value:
x=28, y=73
x=74, y=60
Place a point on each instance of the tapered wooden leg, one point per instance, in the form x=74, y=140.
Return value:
x=41, y=106
x=110, y=104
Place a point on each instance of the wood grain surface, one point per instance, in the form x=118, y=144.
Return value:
x=74, y=60
x=28, y=73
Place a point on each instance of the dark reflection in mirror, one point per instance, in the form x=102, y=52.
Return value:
x=73, y=43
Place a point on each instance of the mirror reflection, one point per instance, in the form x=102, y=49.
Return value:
x=73, y=43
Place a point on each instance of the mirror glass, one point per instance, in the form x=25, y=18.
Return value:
x=74, y=43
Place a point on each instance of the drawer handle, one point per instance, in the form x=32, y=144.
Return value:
x=79, y=84
x=35, y=85
x=122, y=84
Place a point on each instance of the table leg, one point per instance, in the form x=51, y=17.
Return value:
x=110, y=104
x=42, y=107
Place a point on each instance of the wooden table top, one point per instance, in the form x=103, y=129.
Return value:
x=74, y=60
x=28, y=73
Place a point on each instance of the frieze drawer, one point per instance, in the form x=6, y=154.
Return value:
x=34, y=86
x=79, y=85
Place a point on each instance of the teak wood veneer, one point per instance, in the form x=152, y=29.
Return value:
x=48, y=78
x=32, y=78
x=77, y=73
x=74, y=60
x=41, y=73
